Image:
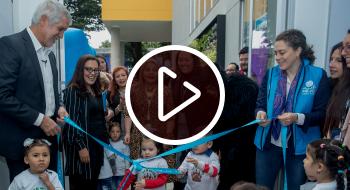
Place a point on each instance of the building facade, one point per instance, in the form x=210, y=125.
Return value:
x=136, y=21
x=255, y=23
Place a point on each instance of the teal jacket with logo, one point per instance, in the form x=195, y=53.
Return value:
x=311, y=99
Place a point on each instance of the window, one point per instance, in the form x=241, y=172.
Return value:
x=262, y=35
x=198, y=10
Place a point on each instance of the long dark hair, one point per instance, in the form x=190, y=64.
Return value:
x=78, y=76
x=336, y=110
x=338, y=46
x=334, y=156
x=295, y=39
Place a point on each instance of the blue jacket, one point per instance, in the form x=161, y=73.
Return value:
x=311, y=99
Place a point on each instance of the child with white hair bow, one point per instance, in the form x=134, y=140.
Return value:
x=37, y=176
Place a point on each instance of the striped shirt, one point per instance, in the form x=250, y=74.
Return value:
x=73, y=140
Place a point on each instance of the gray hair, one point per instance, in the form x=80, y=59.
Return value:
x=53, y=10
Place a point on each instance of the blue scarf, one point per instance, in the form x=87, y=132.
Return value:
x=283, y=103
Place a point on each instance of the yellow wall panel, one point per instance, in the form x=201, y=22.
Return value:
x=144, y=10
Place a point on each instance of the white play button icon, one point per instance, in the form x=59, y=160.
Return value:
x=174, y=95
x=196, y=91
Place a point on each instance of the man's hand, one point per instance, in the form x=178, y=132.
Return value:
x=84, y=155
x=62, y=112
x=49, y=126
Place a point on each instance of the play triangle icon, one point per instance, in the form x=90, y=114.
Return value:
x=196, y=91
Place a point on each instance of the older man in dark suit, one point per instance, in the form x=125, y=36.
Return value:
x=29, y=96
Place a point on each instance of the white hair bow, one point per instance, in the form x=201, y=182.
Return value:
x=30, y=141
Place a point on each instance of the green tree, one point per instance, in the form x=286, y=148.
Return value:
x=105, y=44
x=149, y=46
x=135, y=50
x=86, y=14
x=206, y=44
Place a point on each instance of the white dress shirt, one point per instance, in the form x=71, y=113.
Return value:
x=45, y=66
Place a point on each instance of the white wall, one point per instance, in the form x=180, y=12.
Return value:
x=233, y=33
x=6, y=18
x=324, y=22
x=181, y=34
x=324, y=26
x=22, y=13
x=312, y=17
x=180, y=21
x=339, y=23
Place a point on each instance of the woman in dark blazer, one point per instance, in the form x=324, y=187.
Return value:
x=83, y=102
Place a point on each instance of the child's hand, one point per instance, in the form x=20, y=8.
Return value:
x=44, y=177
x=140, y=184
x=193, y=161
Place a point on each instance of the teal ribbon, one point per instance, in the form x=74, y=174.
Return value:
x=284, y=133
x=107, y=146
x=59, y=163
x=104, y=100
x=201, y=141
x=136, y=163
x=110, y=148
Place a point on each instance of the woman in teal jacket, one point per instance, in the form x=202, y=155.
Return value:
x=293, y=94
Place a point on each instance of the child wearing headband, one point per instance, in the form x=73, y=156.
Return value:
x=327, y=163
x=37, y=176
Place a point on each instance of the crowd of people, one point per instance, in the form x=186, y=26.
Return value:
x=302, y=133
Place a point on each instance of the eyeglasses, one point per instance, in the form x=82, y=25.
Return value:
x=92, y=70
x=346, y=47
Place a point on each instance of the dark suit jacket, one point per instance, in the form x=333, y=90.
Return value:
x=21, y=93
